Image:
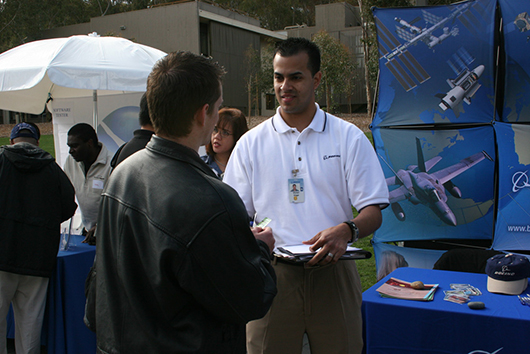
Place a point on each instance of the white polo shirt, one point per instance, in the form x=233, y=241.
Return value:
x=88, y=189
x=334, y=158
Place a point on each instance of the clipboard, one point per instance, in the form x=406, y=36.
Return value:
x=302, y=254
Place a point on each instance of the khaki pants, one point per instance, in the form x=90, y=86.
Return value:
x=324, y=302
x=28, y=296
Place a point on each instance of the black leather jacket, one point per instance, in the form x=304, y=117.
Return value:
x=178, y=269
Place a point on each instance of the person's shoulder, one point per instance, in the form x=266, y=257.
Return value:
x=206, y=158
x=265, y=125
x=116, y=156
x=257, y=132
x=342, y=124
x=342, y=128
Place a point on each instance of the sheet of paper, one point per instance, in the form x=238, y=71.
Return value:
x=304, y=249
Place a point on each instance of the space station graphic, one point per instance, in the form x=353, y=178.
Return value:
x=451, y=128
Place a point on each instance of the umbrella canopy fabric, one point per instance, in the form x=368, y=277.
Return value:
x=76, y=66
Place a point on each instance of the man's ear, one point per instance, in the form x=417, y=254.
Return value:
x=200, y=115
x=316, y=80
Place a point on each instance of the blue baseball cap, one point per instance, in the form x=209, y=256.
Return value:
x=25, y=130
x=508, y=273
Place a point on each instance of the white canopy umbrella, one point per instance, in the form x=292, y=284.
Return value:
x=78, y=66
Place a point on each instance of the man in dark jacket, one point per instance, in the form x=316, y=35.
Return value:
x=36, y=198
x=178, y=268
x=140, y=136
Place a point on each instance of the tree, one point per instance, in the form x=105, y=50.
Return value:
x=336, y=67
x=369, y=40
x=266, y=74
x=276, y=14
x=22, y=21
x=253, y=67
x=259, y=74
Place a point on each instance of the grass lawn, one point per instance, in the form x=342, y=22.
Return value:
x=366, y=267
x=45, y=143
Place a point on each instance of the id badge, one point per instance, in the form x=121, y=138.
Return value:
x=296, y=190
x=98, y=184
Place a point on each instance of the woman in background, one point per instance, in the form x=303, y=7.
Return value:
x=231, y=126
x=390, y=261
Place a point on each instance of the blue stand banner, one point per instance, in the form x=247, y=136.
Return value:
x=516, y=30
x=512, y=231
x=436, y=64
x=451, y=127
x=432, y=177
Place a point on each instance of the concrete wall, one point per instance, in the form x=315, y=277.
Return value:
x=337, y=16
x=168, y=28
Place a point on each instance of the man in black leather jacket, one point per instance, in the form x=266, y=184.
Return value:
x=178, y=268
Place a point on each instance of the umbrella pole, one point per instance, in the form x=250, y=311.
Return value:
x=95, y=111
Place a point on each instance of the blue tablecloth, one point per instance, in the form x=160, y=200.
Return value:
x=439, y=326
x=63, y=329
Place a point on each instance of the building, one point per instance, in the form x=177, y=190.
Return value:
x=201, y=27
x=195, y=26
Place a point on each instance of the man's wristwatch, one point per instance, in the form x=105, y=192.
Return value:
x=354, y=231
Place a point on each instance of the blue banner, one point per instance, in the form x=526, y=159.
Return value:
x=516, y=30
x=512, y=231
x=441, y=183
x=436, y=64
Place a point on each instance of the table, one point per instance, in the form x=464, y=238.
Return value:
x=63, y=330
x=439, y=326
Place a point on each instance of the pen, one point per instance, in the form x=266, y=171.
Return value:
x=281, y=249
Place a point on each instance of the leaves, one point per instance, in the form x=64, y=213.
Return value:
x=276, y=14
x=337, y=67
x=23, y=20
x=259, y=73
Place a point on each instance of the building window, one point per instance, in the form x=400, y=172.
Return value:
x=205, y=39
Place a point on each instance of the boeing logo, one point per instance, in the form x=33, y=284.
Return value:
x=484, y=352
x=505, y=271
x=330, y=157
x=519, y=181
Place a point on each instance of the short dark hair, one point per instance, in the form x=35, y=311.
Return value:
x=179, y=85
x=235, y=120
x=295, y=45
x=85, y=132
x=143, y=116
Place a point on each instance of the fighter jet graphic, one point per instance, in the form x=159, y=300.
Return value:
x=419, y=186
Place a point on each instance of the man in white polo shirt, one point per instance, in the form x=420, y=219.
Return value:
x=333, y=166
x=88, y=167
